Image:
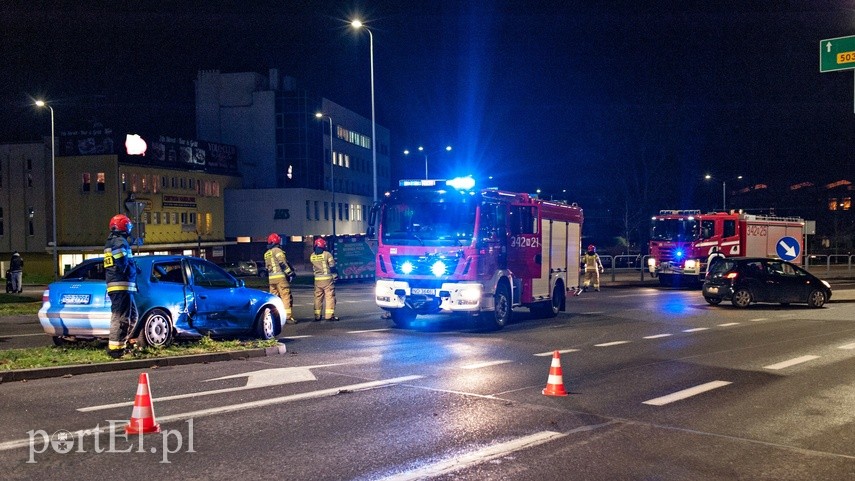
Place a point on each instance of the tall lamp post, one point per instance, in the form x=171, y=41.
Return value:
x=422, y=150
x=723, y=190
x=320, y=116
x=357, y=25
x=41, y=103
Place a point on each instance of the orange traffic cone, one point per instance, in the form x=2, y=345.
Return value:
x=142, y=417
x=555, y=383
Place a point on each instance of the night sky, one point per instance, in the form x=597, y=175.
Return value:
x=594, y=97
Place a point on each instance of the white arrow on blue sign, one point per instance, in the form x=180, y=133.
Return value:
x=788, y=248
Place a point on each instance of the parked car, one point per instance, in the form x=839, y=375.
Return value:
x=241, y=268
x=745, y=280
x=178, y=297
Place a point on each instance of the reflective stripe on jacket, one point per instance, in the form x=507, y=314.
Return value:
x=274, y=260
x=119, y=266
x=322, y=265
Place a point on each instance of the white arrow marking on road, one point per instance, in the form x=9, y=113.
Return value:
x=685, y=393
x=255, y=379
x=791, y=250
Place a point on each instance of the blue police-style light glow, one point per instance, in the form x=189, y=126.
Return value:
x=461, y=183
x=678, y=254
x=407, y=267
x=438, y=268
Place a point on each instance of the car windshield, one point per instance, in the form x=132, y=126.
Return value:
x=673, y=229
x=435, y=222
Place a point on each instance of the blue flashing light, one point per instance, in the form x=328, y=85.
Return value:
x=416, y=183
x=461, y=183
x=678, y=254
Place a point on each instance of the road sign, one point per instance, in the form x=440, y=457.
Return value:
x=788, y=248
x=837, y=54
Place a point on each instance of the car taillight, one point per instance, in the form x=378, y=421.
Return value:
x=731, y=275
x=46, y=295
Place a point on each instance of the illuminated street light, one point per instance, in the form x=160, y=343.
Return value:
x=41, y=103
x=723, y=190
x=422, y=150
x=357, y=25
x=320, y=116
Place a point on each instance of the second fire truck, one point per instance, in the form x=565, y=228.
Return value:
x=445, y=248
x=682, y=240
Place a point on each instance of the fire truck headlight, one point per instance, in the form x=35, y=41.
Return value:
x=691, y=264
x=651, y=262
x=407, y=267
x=438, y=268
x=472, y=293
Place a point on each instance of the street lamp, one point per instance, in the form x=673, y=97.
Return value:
x=357, y=25
x=320, y=116
x=422, y=150
x=723, y=190
x=41, y=103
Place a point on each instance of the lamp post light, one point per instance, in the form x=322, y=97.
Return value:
x=41, y=103
x=723, y=190
x=422, y=150
x=357, y=24
x=320, y=116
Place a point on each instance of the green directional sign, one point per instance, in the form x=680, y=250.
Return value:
x=837, y=54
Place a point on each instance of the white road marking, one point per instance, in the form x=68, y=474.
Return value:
x=686, y=393
x=295, y=337
x=791, y=362
x=760, y=319
x=369, y=330
x=485, y=364
x=613, y=343
x=22, y=443
x=727, y=324
x=656, y=336
x=465, y=460
x=696, y=329
x=847, y=346
x=560, y=351
x=591, y=313
x=22, y=335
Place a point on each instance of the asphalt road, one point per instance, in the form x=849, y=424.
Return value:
x=661, y=386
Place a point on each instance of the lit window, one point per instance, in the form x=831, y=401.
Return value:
x=87, y=182
x=832, y=203
x=846, y=203
x=102, y=179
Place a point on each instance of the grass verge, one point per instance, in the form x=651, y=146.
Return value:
x=93, y=352
x=18, y=305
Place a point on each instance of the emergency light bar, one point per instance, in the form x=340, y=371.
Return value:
x=458, y=183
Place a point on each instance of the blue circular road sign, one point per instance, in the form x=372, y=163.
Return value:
x=788, y=248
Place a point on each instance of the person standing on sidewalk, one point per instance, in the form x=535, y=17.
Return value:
x=279, y=274
x=323, y=267
x=16, y=270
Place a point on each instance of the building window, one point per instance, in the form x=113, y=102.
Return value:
x=209, y=222
x=308, y=210
x=124, y=183
x=326, y=210
x=175, y=217
x=29, y=164
x=183, y=183
x=340, y=211
x=346, y=211
x=183, y=217
x=192, y=183
x=101, y=178
x=133, y=182
x=155, y=218
x=30, y=227
x=144, y=183
x=317, y=210
x=193, y=218
x=166, y=217
x=30, y=180
x=87, y=182
x=1, y=221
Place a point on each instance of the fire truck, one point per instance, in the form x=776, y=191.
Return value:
x=681, y=241
x=444, y=247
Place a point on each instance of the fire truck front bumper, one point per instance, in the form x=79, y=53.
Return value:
x=448, y=297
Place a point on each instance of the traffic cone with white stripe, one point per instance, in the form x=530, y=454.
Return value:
x=555, y=383
x=142, y=417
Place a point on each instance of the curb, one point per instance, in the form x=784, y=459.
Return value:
x=78, y=369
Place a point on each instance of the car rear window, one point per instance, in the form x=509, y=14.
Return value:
x=88, y=270
x=722, y=265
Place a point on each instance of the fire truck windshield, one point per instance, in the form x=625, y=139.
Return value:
x=674, y=230
x=429, y=222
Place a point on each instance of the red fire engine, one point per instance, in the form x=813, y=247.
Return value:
x=445, y=248
x=681, y=241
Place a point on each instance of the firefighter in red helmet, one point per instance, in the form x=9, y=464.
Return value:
x=323, y=267
x=121, y=274
x=593, y=267
x=279, y=274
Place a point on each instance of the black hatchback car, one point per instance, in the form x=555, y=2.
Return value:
x=744, y=280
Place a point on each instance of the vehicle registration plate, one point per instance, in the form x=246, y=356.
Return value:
x=75, y=299
x=422, y=291
x=712, y=290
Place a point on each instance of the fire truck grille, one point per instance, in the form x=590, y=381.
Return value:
x=666, y=254
x=421, y=266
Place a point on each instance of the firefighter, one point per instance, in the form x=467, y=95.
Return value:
x=323, y=266
x=120, y=273
x=593, y=268
x=279, y=274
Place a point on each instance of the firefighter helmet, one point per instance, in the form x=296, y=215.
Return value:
x=321, y=243
x=274, y=239
x=592, y=248
x=121, y=223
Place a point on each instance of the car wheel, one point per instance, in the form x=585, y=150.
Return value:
x=741, y=298
x=402, y=317
x=816, y=298
x=156, y=330
x=265, y=324
x=713, y=300
x=503, y=307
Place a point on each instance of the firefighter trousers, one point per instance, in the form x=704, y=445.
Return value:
x=324, y=299
x=121, y=310
x=282, y=289
x=592, y=276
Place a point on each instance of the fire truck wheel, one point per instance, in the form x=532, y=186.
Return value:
x=816, y=298
x=502, y=314
x=550, y=309
x=741, y=298
x=402, y=317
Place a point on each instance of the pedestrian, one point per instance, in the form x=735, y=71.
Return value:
x=16, y=270
x=593, y=267
x=279, y=274
x=323, y=267
x=121, y=275
x=715, y=253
